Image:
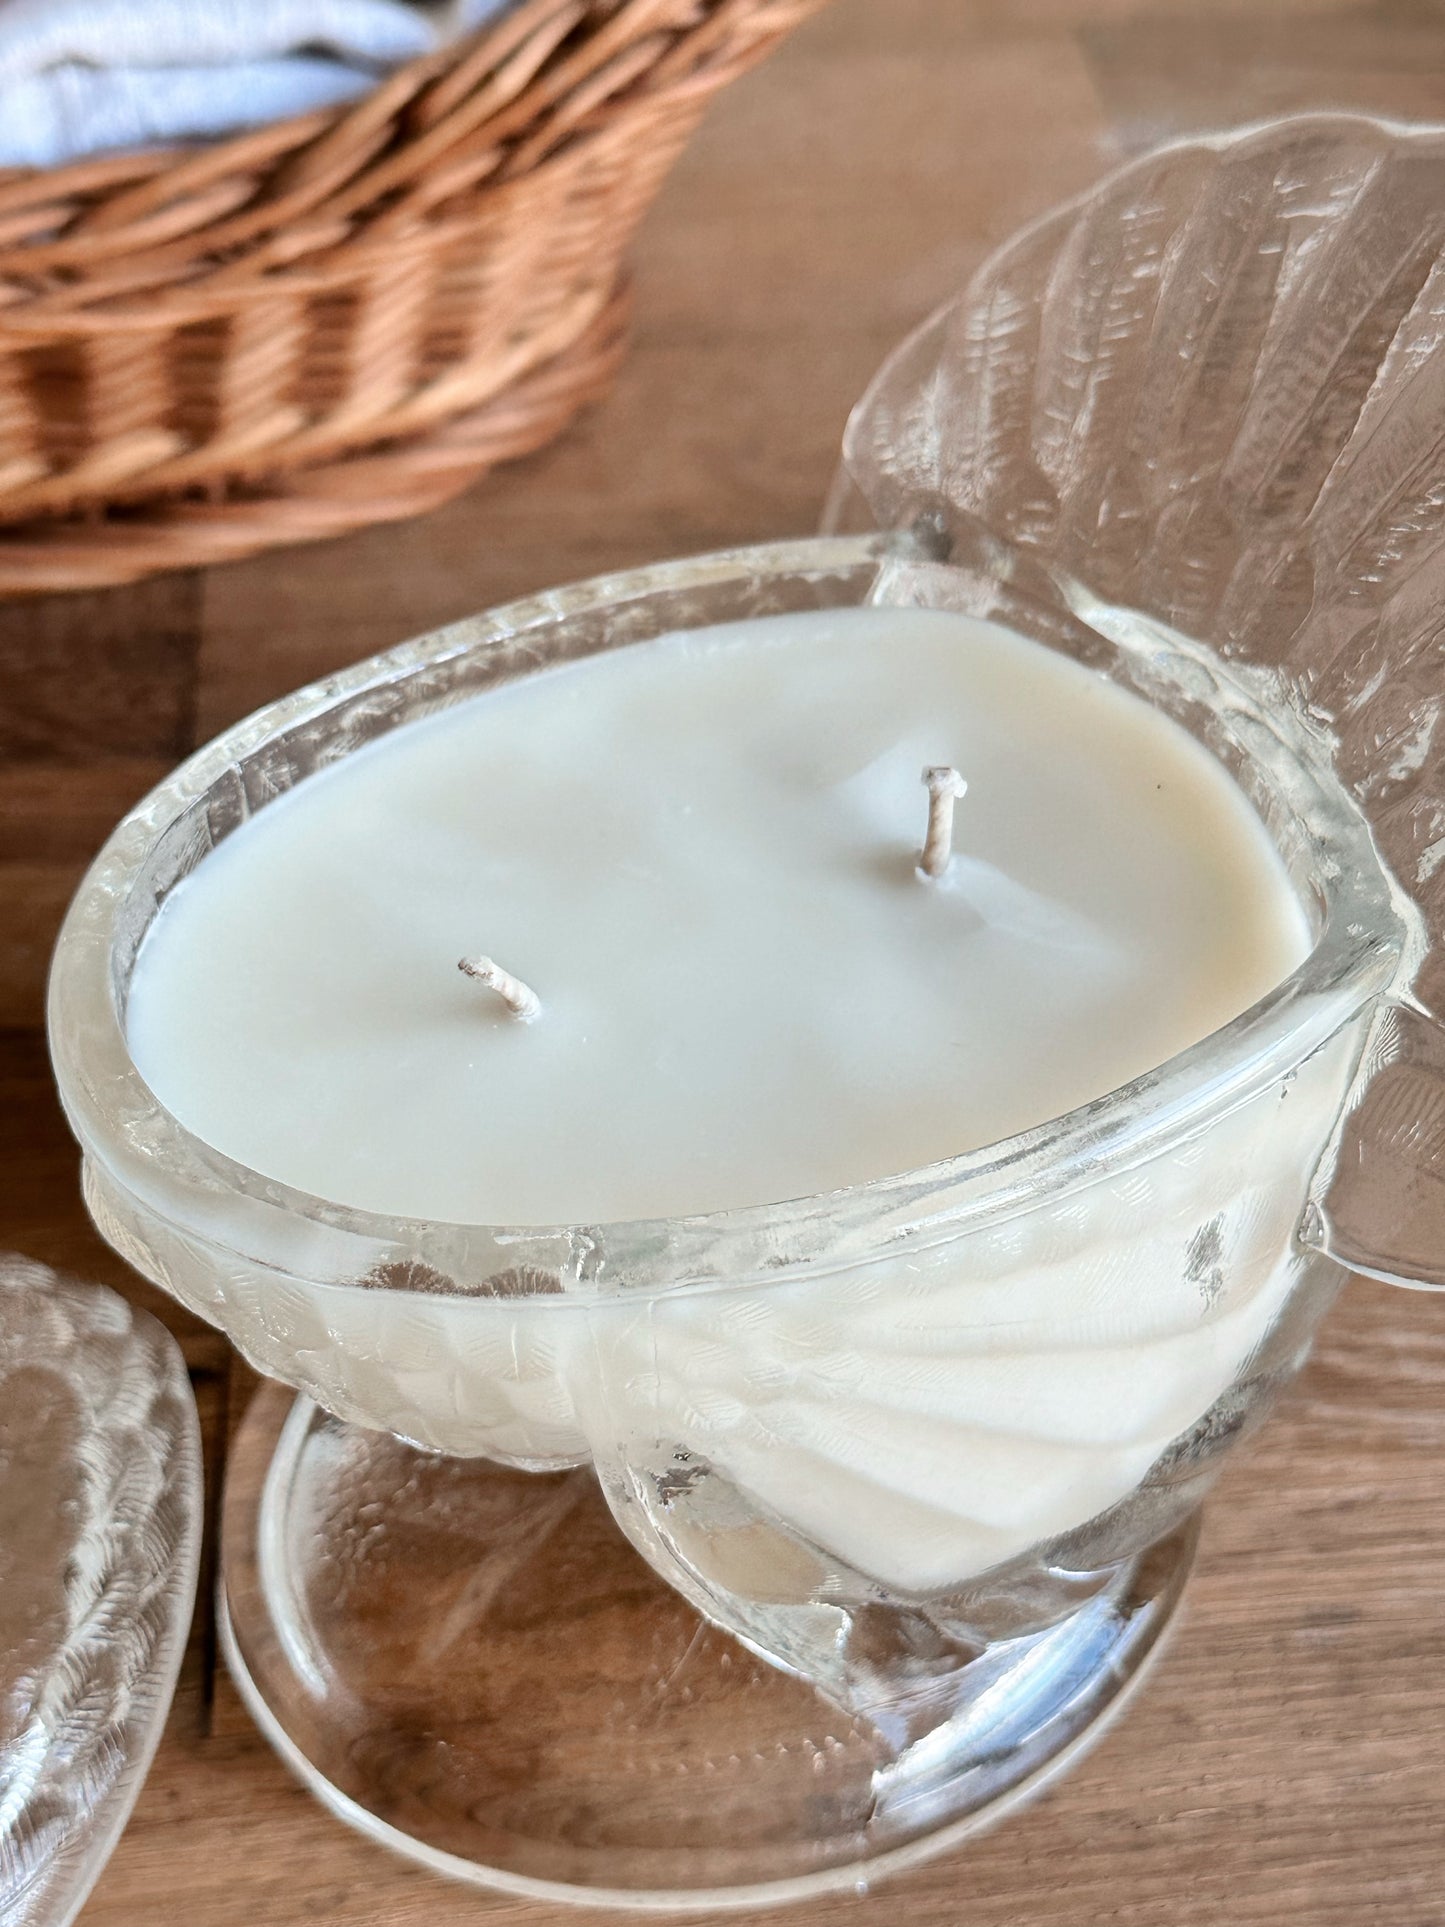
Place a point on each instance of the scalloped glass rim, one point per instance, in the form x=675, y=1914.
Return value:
x=1359, y=955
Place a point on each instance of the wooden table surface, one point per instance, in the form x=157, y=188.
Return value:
x=1287, y=1762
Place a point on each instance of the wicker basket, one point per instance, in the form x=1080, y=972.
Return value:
x=346, y=318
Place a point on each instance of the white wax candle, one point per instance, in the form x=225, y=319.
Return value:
x=701, y=854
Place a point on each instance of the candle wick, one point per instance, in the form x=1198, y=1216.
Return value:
x=945, y=786
x=519, y=998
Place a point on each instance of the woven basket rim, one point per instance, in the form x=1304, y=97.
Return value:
x=134, y=202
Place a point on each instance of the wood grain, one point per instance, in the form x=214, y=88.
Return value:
x=1285, y=1764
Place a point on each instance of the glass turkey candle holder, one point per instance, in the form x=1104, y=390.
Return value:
x=926, y=1454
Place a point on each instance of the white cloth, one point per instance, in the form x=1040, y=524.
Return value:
x=87, y=76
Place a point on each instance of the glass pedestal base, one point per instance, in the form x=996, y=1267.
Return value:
x=473, y=1666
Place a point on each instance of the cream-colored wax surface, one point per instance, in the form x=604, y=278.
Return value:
x=700, y=853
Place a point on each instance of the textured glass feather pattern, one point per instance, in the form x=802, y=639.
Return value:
x=100, y=1525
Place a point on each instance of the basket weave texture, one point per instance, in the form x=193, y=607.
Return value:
x=345, y=318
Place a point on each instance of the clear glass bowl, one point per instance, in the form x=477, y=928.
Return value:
x=926, y=1455
x=933, y=1445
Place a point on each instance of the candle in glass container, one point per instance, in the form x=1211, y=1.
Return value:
x=751, y=913
x=702, y=857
